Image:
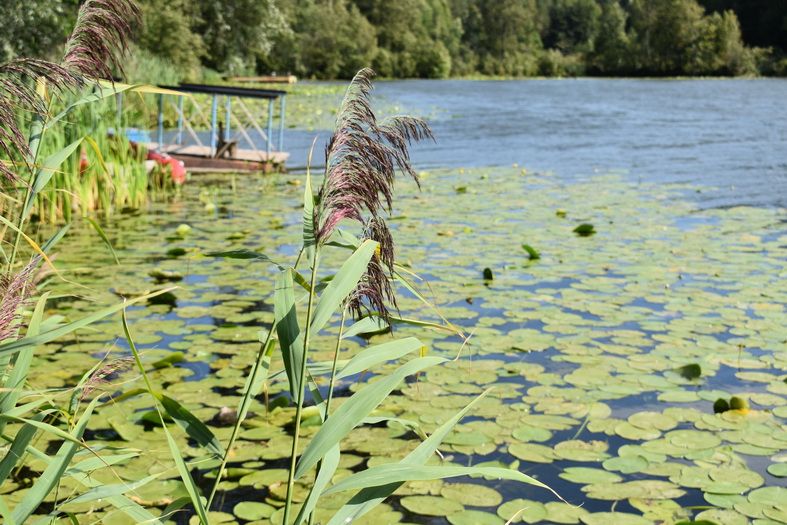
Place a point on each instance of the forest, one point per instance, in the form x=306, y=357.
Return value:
x=332, y=39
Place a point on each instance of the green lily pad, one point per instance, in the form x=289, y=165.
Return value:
x=474, y=517
x=526, y=511
x=532, y=434
x=585, y=230
x=778, y=469
x=587, y=476
x=471, y=494
x=614, y=518
x=576, y=450
x=773, y=496
x=252, y=510
x=431, y=505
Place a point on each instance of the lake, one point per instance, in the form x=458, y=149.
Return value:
x=606, y=355
x=727, y=134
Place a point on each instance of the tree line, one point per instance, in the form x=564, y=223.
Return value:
x=436, y=38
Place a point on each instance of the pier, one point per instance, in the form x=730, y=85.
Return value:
x=246, y=128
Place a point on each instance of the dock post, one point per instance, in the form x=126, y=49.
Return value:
x=227, y=117
x=160, y=134
x=270, y=127
x=180, y=121
x=214, y=117
x=119, y=106
x=281, y=122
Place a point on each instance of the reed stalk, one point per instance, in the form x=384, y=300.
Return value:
x=302, y=388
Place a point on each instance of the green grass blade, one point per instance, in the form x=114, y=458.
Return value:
x=368, y=498
x=188, y=481
x=54, y=471
x=49, y=244
x=95, y=463
x=352, y=412
x=44, y=173
x=329, y=465
x=17, y=449
x=115, y=489
x=127, y=506
x=253, y=386
x=342, y=284
x=101, y=233
x=290, y=340
x=377, y=354
x=256, y=379
x=177, y=456
x=400, y=473
x=191, y=425
x=28, y=342
x=366, y=325
x=246, y=255
x=46, y=427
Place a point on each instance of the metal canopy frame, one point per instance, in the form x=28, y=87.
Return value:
x=241, y=121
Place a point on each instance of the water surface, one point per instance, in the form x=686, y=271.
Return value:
x=726, y=134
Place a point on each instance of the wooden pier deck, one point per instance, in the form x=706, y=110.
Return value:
x=221, y=150
x=200, y=158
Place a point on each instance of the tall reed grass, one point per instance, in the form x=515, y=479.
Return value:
x=362, y=160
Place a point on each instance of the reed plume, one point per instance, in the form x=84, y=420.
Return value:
x=361, y=160
x=100, y=37
x=95, y=47
x=15, y=290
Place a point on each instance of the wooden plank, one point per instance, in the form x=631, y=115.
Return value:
x=266, y=79
x=193, y=150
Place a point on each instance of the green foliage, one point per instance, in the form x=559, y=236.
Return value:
x=204, y=39
x=36, y=29
x=167, y=30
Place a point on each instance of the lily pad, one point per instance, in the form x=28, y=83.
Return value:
x=431, y=505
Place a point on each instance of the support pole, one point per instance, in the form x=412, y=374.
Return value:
x=214, y=119
x=227, y=117
x=160, y=134
x=270, y=128
x=180, y=121
x=119, y=100
x=281, y=122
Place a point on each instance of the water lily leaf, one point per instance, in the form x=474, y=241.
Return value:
x=532, y=253
x=474, y=517
x=778, y=469
x=773, y=496
x=169, y=360
x=587, y=476
x=627, y=464
x=472, y=494
x=690, y=371
x=431, y=505
x=693, y=439
x=614, y=518
x=526, y=511
x=585, y=230
x=532, y=434
x=576, y=450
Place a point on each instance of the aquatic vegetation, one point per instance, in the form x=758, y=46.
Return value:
x=28, y=85
x=361, y=161
x=579, y=350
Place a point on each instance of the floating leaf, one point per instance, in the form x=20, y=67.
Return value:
x=585, y=230
x=431, y=505
x=690, y=371
x=532, y=253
